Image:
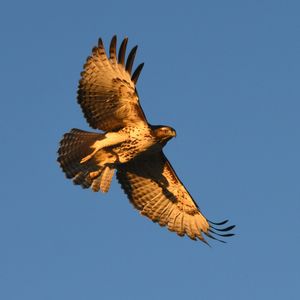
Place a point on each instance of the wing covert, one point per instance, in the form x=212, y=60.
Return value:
x=107, y=91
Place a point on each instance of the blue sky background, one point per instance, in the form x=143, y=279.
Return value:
x=225, y=75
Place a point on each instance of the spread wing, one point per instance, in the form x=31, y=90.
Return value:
x=154, y=189
x=107, y=93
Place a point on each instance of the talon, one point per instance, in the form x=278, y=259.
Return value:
x=94, y=174
x=89, y=156
x=86, y=158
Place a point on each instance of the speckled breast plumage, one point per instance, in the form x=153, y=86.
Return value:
x=139, y=141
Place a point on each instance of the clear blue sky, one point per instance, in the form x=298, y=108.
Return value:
x=225, y=75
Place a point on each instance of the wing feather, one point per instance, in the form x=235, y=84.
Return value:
x=178, y=225
x=137, y=72
x=172, y=219
x=122, y=51
x=153, y=187
x=130, y=59
x=159, y=208
x=107, y=91
x=163, y=221
x=113, y=50
x=148, y=209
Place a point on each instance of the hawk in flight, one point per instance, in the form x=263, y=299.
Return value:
x=130, y=145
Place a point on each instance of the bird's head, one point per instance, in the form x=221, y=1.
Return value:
x=164, y=133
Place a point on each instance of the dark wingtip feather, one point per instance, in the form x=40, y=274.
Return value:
x=228, y=234
x=130, y=59
x=122, y=51
x=220, y=223
x=214, y=238
x=137, y=72
x=112, y=48
x=219, y=231
x=100, y=43
x=224, y=229
x=221, y=234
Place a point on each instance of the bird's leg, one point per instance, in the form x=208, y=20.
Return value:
x=88, y=157
x=111, y=139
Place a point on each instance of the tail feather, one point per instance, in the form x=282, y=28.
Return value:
x=75, y=145
x=106, y=178
x=102, y=181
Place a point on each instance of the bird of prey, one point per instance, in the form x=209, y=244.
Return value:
x=130, y=145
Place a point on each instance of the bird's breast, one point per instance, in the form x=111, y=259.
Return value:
x=139, y=141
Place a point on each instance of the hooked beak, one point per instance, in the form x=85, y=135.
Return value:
x=174, y=133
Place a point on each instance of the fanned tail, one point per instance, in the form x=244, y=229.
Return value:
x=74, y=146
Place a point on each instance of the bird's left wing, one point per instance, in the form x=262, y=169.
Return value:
x=107, y=93
x=153, y=187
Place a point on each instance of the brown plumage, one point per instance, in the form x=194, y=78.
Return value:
x=109, y=101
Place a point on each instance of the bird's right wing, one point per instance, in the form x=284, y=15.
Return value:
x=107, y=90
x=154, y=189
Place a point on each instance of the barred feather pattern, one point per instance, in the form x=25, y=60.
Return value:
x=73, y=147
x=153, y=187
x=107, y=93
